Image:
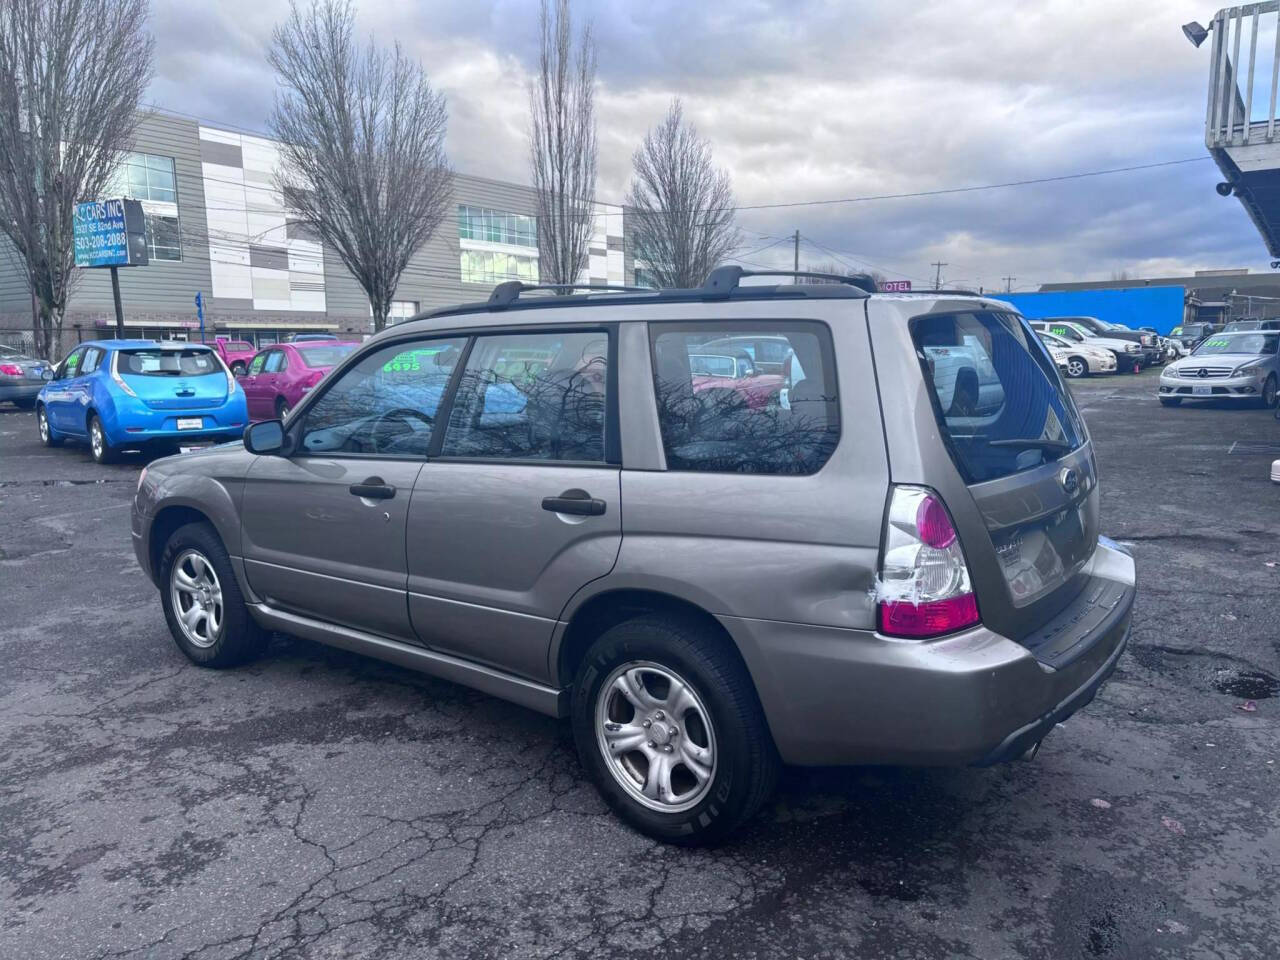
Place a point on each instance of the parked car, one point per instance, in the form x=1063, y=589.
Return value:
x=1148, y=348
x=769, y=354
x=870, y=575
x=1189, y=334
x=279, y=376
x=1128, y=354
x=1079, y=357
x=1241, y=365
x=1237, y=325
x=737, y=375
x=134, y=394
x=236, y=354
x=304, y=337
x=21, y=377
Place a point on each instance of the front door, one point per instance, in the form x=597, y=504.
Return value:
x=252, y=388
x=518, y=507
x=62, y=403
x=324, y=529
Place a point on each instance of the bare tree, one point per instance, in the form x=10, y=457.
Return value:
x=362, y=146
x=680, y=204
x=562, y=144
x=71, y=77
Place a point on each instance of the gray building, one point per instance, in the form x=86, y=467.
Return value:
x=217, y=226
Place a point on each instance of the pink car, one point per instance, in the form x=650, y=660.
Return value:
x=281, y=375
x=737, y=373
x=236, y=354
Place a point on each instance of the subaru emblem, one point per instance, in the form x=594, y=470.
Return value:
x=1070, y=481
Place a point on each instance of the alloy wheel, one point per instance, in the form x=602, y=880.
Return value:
x=1269, y=393
x=196, y=596
x=656, y=736
x=43, y=422
x=96, y=440
x=1075, y=368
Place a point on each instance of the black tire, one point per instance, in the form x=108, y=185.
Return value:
x=99, y=446
x=1077, y=367
x=47, y=436
x=1170, y=401
x=282, y=408
x=238, y=368
x=1269, y=393
x=746, y=765
x=239, y=638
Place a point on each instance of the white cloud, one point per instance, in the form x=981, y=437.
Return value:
x=807, y=99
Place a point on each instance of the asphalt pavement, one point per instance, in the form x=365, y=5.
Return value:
x=317, y=804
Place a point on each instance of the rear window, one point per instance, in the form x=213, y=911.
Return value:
x=996, y=393
x=325, y=356
x=168, y=363
x=722, y=410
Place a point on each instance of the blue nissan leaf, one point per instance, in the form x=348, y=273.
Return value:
x=121, y=394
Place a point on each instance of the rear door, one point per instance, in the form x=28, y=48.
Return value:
x=518, y=506
x=1019, y=477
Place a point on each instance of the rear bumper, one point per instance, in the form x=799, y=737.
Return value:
x=837, y=696
x=21, y=391
x=139, y=424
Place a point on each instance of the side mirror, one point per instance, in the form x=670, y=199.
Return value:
x=265, y=438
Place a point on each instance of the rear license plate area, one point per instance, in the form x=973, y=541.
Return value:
x=190, y=423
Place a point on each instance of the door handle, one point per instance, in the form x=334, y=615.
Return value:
x=576, y=502
x=373, y=488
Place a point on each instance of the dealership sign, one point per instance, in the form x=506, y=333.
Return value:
x=110, y=233
x=895, y=286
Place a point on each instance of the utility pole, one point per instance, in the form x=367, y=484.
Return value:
x=796, y=278
x=1008, y=283
x=937, y=277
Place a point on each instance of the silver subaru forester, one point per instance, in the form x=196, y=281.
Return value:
x=719, y=529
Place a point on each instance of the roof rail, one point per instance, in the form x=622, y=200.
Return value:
x=724, y=279
x=509, y=292
x=946, y=292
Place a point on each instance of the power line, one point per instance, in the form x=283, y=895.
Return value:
x=858, y=263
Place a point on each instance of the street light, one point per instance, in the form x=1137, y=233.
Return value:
x=1195, y=33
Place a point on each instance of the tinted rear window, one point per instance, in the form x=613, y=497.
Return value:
x=168, y=363
x=996, y=393
x=325, y=356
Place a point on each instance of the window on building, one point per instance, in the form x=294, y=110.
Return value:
x=488, y=266
x=151, y=179
x=400, y=310
x=494, y=226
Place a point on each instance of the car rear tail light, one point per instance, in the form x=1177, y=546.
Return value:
x=119, y=381
x=924, y=588
x=10, y=369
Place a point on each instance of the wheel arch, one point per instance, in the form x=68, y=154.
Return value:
x=170, y=518
x=601, y=611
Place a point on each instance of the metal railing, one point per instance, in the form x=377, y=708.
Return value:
x=1229, y=117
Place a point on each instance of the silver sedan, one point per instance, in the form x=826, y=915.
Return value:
x=1241, y=365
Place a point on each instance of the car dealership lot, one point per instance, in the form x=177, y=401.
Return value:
x=319, y=804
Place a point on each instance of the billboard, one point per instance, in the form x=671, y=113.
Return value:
x=109, y=233
x=895, y=286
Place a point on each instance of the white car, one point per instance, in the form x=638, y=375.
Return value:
x=1241, y=366
x=1079, y=359
x=1128, y=354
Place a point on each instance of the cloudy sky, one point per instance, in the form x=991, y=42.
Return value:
x=809, y=100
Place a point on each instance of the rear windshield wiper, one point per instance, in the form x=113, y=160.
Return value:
x=1042, y=443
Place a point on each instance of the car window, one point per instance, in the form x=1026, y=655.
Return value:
x=71, y=365
x=532, y=396
x=92, y=358
x=255, y=366
x=996, y=394
x=276, y=362
x=153, y=362
x=386, y=404
x=325, y=355
x=785, y=422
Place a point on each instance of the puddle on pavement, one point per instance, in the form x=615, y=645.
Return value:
x=64, y=483
x=1247, y=684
